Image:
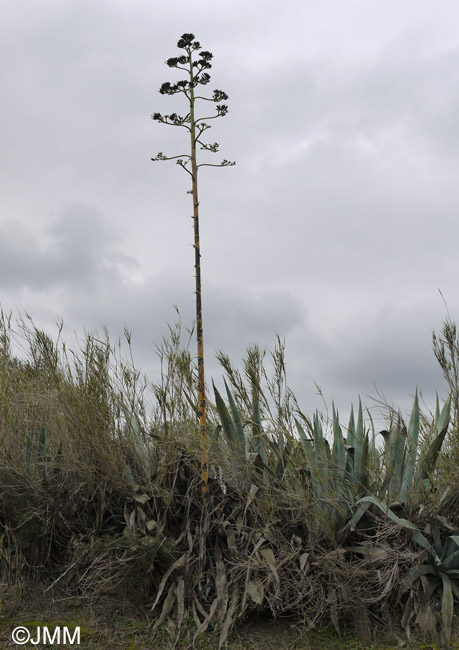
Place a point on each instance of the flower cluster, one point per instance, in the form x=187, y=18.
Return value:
x=198, y=76
x=187, y=41
x=219, y=96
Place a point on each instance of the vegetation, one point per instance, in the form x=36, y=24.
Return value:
x=195, y=69
x=101, y=500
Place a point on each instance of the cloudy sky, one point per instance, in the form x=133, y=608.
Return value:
x=335, y=229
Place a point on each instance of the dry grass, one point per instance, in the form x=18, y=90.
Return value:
x=101, y=505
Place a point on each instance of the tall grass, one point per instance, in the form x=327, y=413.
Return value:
x=100, y=490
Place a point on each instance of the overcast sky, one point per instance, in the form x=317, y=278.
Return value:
x=335, y=229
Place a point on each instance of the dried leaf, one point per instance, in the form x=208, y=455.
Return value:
x=141, y=498
x=252, y=493
x=256, y=591
x=167, y=606
x=268, y=554
x=178, y=563
x=239, y=524
x=406, y=617
x=447, y=608
x=222, y=589
x=334, y=609
x=229, y=618
x=260, y=542
x=131, y=522
x=205, y=624
x=304, y=562
x=230, y=539
x=200, y=607
x=180, y=595
x=196, y=618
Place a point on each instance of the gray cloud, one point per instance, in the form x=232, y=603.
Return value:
x=74, y=249
x=335, y=229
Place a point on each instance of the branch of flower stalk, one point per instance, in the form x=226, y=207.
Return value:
x=172, y=120
x=182, y=164
x=211, y=117
x=161, y=156
x=224, y=163
x=213, y=148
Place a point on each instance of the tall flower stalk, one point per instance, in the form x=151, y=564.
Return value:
x=195, y=62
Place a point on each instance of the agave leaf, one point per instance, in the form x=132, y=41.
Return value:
x=416, y=572
x=441, y=425
x=451, y=544
x=358, y=514
x=322, y=475
x=442, y=421
x=358, y=444
x=339, y=455
x=387, y=511
x=306, y=442
x=316, y=457
x=282, y=459
x=133, y=425
x=437, y=407
x=435, y=530
x=395, y=461
x=411, y=451
x=452, y=560
x=363, y=473
x=227, y=423
x=350, y=440
x=319, y=441
x=433, y=582
x=237, y=422
x=420, y=539
x=373, y=453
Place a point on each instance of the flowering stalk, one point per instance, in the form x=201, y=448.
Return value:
x=196, y=71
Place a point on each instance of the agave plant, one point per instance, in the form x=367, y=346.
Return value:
x=408, y=471
x=341, y=474
x=408, y=465
x=439, y=573
x=437, y=570
x=250, y=442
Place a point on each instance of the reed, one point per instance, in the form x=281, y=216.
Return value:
x=100, y=493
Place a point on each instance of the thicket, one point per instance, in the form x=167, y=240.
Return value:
x=100, y=492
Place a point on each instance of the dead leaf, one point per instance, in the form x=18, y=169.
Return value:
x=304, y=562
x=256, y=591
x=141, y=498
